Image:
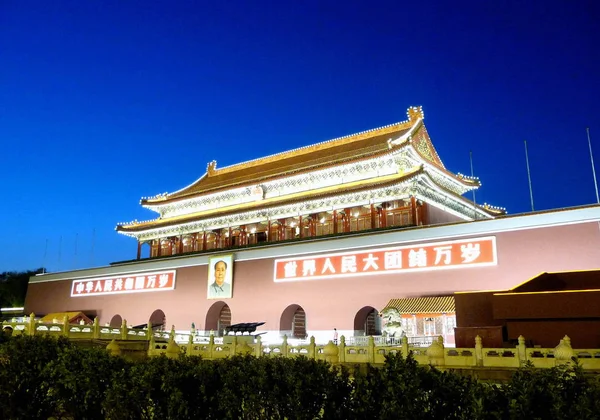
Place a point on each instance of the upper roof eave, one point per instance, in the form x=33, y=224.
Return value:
x=301, y=155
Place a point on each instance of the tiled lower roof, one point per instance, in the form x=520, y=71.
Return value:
x=60, y=316
x=423, y=305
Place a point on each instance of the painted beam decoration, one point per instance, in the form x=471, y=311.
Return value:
x=473, y=252
x=131, y=283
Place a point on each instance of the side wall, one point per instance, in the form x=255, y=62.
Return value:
x=437, y=216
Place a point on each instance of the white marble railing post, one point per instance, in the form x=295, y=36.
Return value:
x=172, y=332
x=124, y=330
x=312, y=348
x=190, y=344
x=342, y=352
x=233, y=348
x=173, y=349
x=478, y=351
x=436, y=352
x=405, y=346
x=211, y=346
x=563, y=353
x=522, y=350
x=96, y=328
x=284, y=346
x=151, y=346
x=31, y=326
x=149, y=331
x=65, y=326
x=258, y=350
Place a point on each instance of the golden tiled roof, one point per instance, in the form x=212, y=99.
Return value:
x=423, y=305
x=246, y=174
x=329, y=153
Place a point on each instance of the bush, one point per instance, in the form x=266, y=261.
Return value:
x=42, y=377
x=22, y=391
x=404, y=390
x=562, y=392
x=78, y=380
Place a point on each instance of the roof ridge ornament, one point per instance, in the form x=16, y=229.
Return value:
x=415, y=113
x=211, y=168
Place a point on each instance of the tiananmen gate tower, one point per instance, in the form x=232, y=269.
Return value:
x=321, y=237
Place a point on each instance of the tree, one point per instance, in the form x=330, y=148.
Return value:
x=13, y=287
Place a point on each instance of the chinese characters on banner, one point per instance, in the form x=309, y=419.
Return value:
x=141, y=282
x=433, y=256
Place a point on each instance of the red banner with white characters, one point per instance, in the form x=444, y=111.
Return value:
x=473, y=252
x=131, y=283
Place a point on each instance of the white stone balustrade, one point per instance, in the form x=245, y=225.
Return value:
x=352, y=351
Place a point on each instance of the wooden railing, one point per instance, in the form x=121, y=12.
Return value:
x=367, y=350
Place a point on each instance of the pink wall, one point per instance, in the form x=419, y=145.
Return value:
x=436, y=216
x=332, y=302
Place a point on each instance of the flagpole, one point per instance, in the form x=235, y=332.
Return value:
x=92, y=250
x=75, y=256
x=59, y=251
x=45, y=253
x=593, y=168
x=529, y=176
x=473, y=191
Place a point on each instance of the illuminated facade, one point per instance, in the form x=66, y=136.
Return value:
x=386, y=177
x=326, y=236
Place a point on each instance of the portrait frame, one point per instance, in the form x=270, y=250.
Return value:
x=213, y=290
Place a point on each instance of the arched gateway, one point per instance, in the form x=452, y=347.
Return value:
x=158, y=319
x=367, y=322
x=116, y=321
x=293, y=322
x=218, y=317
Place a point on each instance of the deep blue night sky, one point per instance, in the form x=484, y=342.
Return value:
x=102, y=102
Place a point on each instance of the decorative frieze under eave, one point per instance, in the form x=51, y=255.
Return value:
x=457, y=183
x=434, y=194
x=421, y=186
x=402, y=159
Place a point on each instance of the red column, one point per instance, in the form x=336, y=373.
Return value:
x=159, y=250
x=347, y=215
x=281, y=229
x=243, y=239
x=423, y=213
x=413, y=210
x=204, y=241
x=229, y=238
x=383, y=215
x=300, y=226
x=180, y=250
x=373, y=217
x=269, y=230
x=334, y=220
x=139, y=251
x=195, y=242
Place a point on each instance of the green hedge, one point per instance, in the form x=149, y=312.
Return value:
x=42, y=378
